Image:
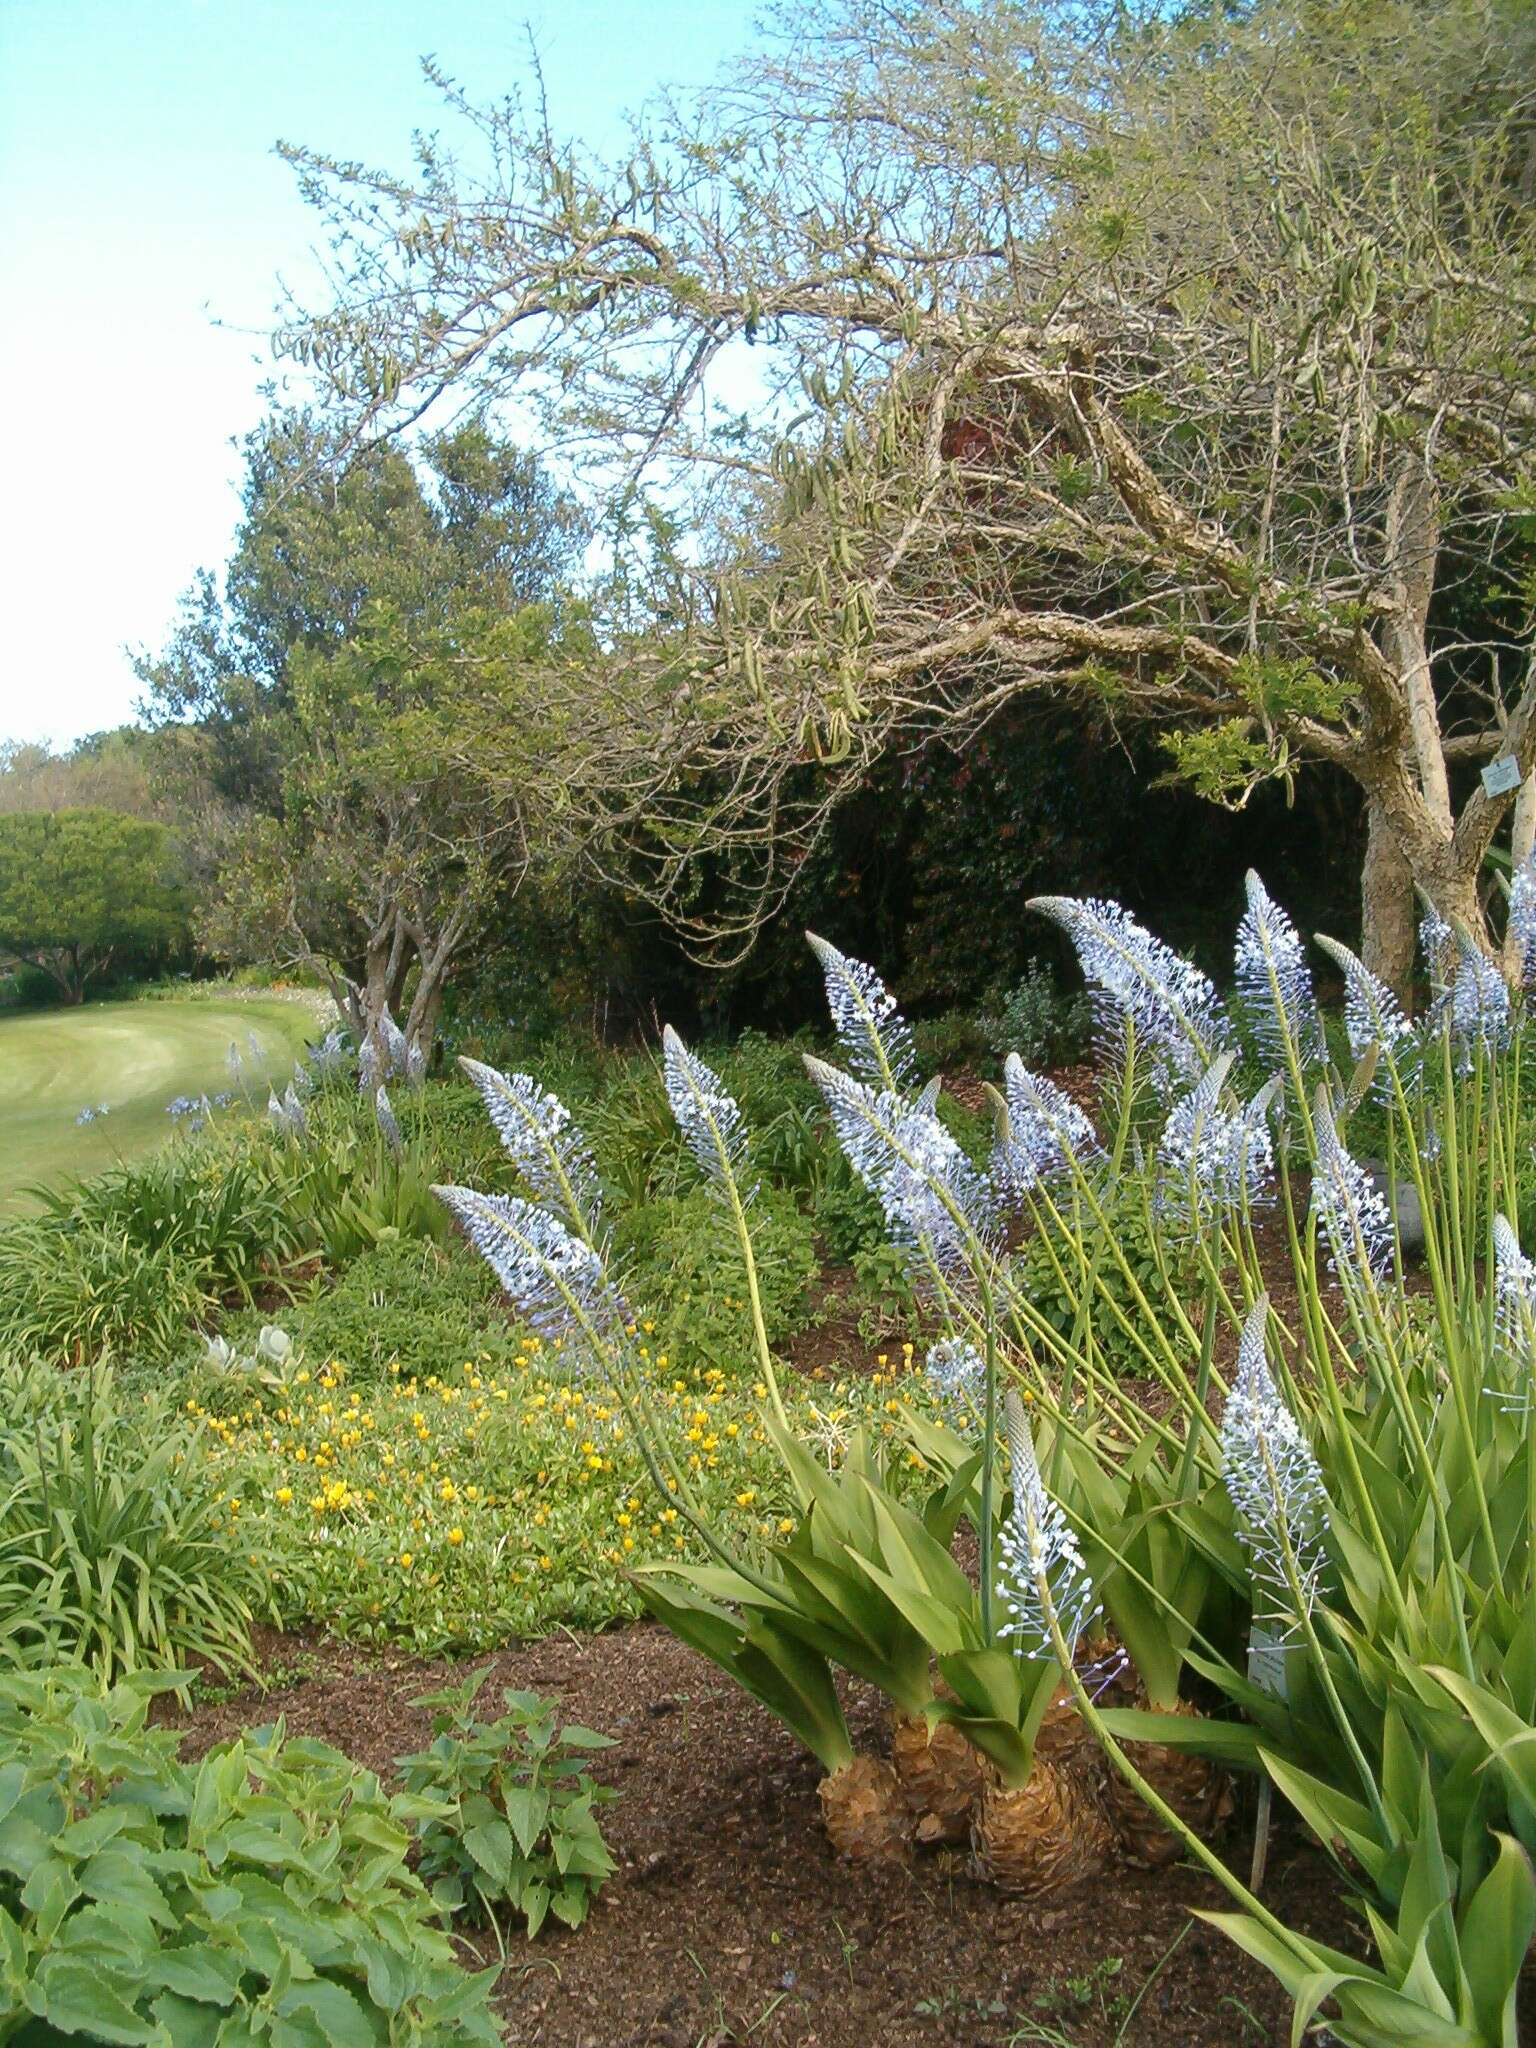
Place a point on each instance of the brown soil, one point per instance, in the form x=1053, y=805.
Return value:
x=730, y=1920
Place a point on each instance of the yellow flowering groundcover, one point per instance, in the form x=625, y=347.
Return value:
x=496, y=1499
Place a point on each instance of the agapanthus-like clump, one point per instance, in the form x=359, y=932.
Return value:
x=1372, y=1014
x=1276, y=982
x=934, y=1201
x=554, y=1279
x=388, y=1122
x=332, y=1054
x=1478, y=1005
x=92, y=1113
x=257, y=1048
x=181, y=1106
x=707, y=1114
x=287, y=1112
x=1522, y=919
x=1272, y=1476
x=543, y=1143
x=1139, y=983
x=870, y=1028
x=1351, y=1210
x=1213, y=1158
x=1514, y=1311
x=956, y=1371
x=234, y=1060
x=1041, y=1569
x=1047, y=1133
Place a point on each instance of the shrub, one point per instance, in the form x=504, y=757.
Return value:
x=405, y=1302
x=116, y=1549
x=1039, y=1021
x=515, y=1824
x=682, y=1265
x=262, y=1896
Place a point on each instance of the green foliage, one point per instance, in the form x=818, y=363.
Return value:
x=77, y=887
x=682, y=1265
x=262, y=1895
x=514, y=1824
x=1039, y=1021
x=115, y=1545
x=406, y=1302
x=128, y=1261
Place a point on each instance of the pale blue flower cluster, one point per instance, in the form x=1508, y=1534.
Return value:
x=956, y=1371
x=1479, y=1007
x=1275, y=982
x=870, y=1028
x=1372, y=1014
x=1042, y=1575
x=1047, y=1133
x=1514, y=1310
x=1271, y=1474
x=554, y=1279
x=1142, y=987
x=1522, y=919
x=934, y=1200
x=388, y=1122
x=93, y=1113
x=1351, y=1211
x=539, y=1137
x=331, y=1054
x=1213, y=1157
x=287, y=1111
x=707, y=1114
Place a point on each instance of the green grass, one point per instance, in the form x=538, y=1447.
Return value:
x=133, y=1056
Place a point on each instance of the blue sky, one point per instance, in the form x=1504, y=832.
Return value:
x=142, y=205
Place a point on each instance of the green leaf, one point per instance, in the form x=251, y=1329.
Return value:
x=1496, y=1931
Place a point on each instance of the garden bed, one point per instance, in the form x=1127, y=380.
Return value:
x=730, y=1920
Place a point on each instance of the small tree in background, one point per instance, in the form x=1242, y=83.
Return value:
x=79, y=889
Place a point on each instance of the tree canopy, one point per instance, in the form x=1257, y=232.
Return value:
x=79, y=889
x=1173, y=360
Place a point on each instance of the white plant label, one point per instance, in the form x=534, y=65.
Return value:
x=1501, y=776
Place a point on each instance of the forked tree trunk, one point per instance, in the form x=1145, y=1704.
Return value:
x=1389, y=927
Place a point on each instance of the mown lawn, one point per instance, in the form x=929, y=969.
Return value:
x=135, y=1057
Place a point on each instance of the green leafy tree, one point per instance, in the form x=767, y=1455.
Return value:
x=81, y=888
x=1176, y=360
x=328, y=711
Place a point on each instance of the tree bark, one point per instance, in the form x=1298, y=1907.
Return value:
x=1389, y=928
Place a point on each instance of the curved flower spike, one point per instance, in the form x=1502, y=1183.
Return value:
x=1274, y=1480
x=1514, y=1312
x=1479, y=1003
x=707, y=1114
x=1046, y=1133
x=1350, y=1209
x=871, y=1030
x=553, y=1278
x=388, y=1122
x=932, y=1196
x=1043, y=1576
x=539, y=1138
x=1522, y=919
x=1372, y=1014
x=1276, y=983
x=1214, y=1158
x=1139, y=981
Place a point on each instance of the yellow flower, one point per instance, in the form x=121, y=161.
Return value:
x=406, y=1560
x=284, y=1495
x=745, y=1499
x=455, y=1537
